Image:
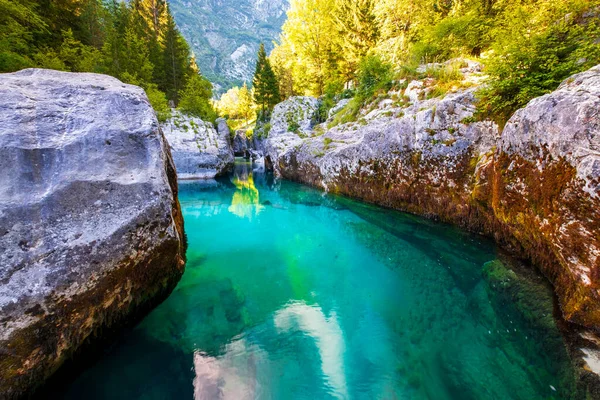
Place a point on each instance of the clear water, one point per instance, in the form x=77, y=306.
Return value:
x=292, y=294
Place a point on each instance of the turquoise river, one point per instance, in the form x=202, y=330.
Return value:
x=290, y=293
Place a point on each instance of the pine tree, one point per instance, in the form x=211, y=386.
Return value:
x=195, y=98
x=176, y=58
x=18, y=21
x=266, y=87
x=93, y=14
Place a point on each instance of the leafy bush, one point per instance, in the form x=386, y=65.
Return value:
x=159, y=102
x=347, y=114
x=373, y=74
x=195, y=99
x=528, y=67
x=446, y=73
x=453, y=36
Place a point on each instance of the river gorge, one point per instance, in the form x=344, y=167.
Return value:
x=141, y=259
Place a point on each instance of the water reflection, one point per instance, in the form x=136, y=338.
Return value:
x=245, y=369
x=230, y=377
x=245, y=202
x=328, y=336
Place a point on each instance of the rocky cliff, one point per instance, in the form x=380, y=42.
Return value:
x=91, y=232
x=535, y=187
x=200, y=150
x=225, y=35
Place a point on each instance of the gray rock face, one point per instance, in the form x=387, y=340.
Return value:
x=433, y=128
x=225, y=35
x=291, y=121
x=295, y=115
x=91, y=231
x=199, y=150
x=564, y=124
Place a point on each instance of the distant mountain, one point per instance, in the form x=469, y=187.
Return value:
x=225, y=35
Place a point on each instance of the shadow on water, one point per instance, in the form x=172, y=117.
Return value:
x=291, y=293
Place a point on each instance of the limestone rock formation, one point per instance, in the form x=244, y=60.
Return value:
x=225, y=35
x=291, y=121
x=199, y=150
x=545, y=190
x=91, y=232
x=534, y=188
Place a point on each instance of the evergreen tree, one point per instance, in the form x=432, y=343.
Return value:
x=176, y=58
x=266, y=87
x=19, y=22
x=93, y=16
x=195, y=98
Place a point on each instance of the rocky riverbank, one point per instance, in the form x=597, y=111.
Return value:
x=200, y=150
x=91, y=232
x=534, y=186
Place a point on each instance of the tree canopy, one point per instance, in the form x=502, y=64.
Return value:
x=136, y=41
x=527, y=46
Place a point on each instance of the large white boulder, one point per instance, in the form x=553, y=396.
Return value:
x=91, y=233
x=200, y=150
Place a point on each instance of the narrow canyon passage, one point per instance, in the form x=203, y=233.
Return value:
x=291, y=293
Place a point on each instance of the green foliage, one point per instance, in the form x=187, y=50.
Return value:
x=528, y=47
x=347, y=114
x=530, y=66
x=373, y=74
x=18, y=24
x=266, y=86
x=356, y=18
x=159, y=102
x=461, y=34
x=136, y=41
x=176, y=60
x=262, y=130
x=195, y=99
x=237, y=104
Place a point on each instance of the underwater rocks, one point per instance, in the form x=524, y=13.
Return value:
x=91, y=232
x=200, y=150
x=535, y=187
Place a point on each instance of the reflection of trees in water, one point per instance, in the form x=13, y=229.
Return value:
x=246, y=199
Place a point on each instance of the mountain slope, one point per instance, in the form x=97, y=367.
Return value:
x=225, y=34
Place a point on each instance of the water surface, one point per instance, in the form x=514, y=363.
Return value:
x=293, y=294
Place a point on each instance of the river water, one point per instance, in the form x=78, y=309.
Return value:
x=293, y=294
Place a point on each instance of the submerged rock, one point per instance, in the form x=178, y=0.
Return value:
x=199, y=150
x=535, y=188
x=91, y=232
